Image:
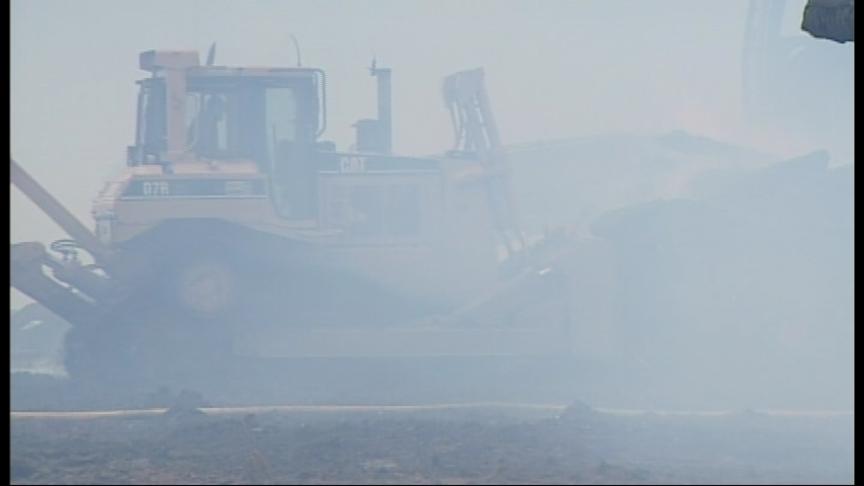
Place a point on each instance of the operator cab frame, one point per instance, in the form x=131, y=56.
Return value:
x=273, y=117
x=188, y=112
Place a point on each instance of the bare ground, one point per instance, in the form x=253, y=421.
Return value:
x=472, y=445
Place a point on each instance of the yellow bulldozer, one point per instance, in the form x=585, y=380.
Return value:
x=236, y=230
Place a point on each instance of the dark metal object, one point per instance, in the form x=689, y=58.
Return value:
x=830, y=19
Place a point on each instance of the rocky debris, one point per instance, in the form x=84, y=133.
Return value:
x=756, y=260
x=442, y=449
x=21, y=469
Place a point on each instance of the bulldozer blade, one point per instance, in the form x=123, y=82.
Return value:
x=27, y=260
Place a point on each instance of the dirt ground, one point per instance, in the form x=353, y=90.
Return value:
x=458, y=445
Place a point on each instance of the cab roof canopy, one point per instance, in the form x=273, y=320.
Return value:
x=155, y=61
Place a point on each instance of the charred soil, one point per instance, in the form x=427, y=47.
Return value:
x=448, y=446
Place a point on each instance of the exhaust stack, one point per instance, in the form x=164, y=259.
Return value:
x=376, y=135
x=385, y=126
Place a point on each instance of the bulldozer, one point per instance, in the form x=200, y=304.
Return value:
x=235, y=230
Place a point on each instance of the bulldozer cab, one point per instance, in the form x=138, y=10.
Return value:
x=272, y=117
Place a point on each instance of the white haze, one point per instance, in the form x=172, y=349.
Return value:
x=633, y=83
x=556, y=69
